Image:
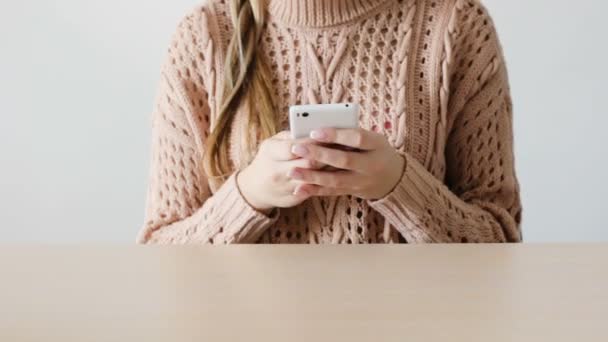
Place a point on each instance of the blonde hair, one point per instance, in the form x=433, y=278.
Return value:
x=247, y=83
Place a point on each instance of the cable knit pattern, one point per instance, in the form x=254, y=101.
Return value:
x=429, y=75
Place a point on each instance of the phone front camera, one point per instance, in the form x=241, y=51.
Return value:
x=305, y=115
x=347, y=105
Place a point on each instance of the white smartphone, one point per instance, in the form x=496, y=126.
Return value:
x=306, y=118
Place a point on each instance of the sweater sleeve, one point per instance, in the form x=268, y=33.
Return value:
x=180, y=207
x=479, y=199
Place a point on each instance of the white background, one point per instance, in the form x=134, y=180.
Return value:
x=77, y=80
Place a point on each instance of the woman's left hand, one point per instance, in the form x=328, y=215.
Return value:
x=369, y=173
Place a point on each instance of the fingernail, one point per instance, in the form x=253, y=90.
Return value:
x=299, y=192
x=318, y=135
x=299, y=150
x=295, y=174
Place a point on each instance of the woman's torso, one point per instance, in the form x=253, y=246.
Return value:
x=390, y=59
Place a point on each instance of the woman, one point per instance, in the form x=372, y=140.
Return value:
x=435, y=149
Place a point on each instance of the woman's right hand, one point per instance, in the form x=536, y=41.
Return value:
x=265, y=183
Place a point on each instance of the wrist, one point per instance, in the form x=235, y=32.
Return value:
x=244, y=183
x=398, y=170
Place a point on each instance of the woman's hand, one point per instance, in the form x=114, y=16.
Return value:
x=265, y=183
x=370, y=173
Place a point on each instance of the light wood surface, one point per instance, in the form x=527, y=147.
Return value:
x=300, y=293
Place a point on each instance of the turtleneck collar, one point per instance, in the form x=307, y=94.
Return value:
x=320, y=13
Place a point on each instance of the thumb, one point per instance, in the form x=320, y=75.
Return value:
x=283, y=135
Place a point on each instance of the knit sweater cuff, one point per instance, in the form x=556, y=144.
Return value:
x=405, y=205
x=242, y=223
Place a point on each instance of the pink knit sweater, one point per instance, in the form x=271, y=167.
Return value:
x=428, y=74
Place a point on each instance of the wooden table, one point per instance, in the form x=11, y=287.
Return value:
x=299, y=293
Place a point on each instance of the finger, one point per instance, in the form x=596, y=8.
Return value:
x=286, y=135
x=283, y=135
x=299, y=163
x=336, y=179
x=319, y=191
x=302, y=163
x=352, y=137
x=347, y=160
x=281, y=149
